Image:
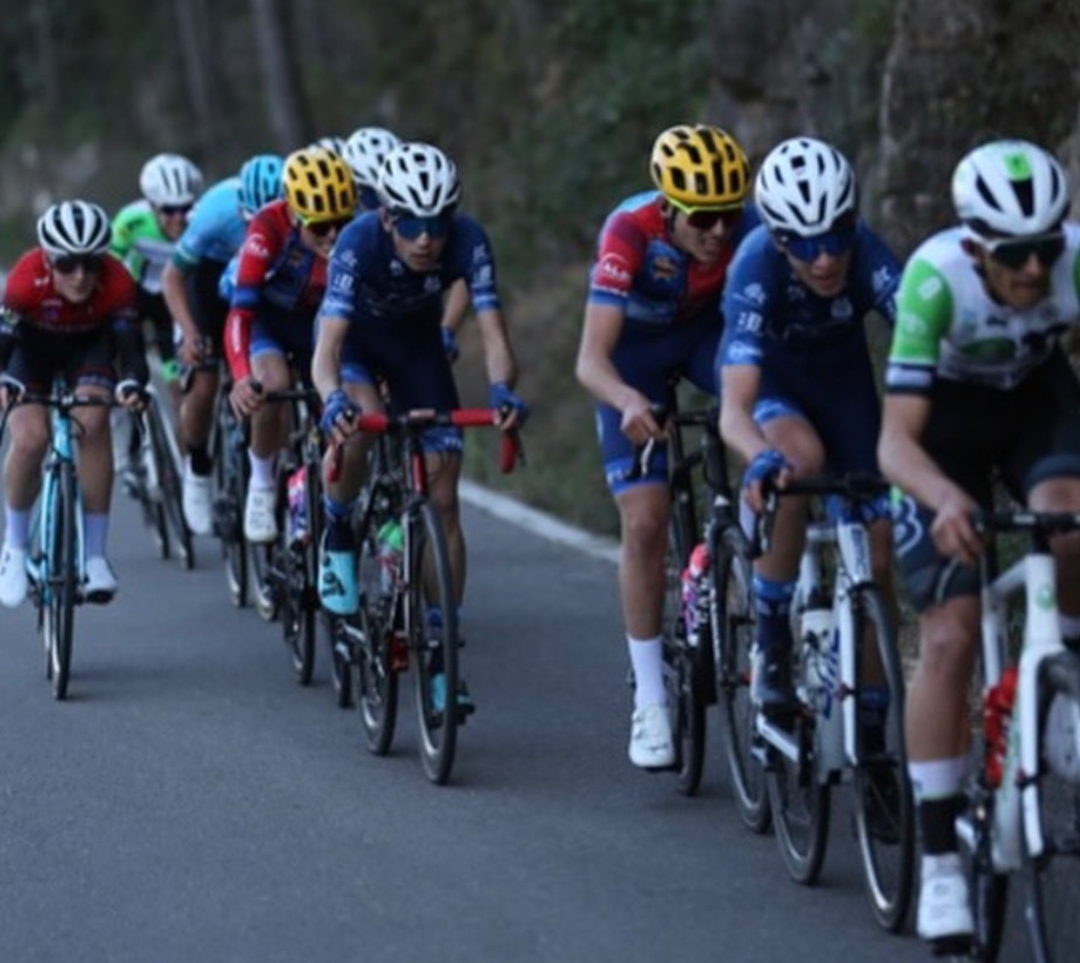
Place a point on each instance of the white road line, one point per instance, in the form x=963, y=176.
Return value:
x=538, y=522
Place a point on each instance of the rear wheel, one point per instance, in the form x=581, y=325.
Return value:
x=884, y=810
x=434, y=648
x=298, y=608
x=1054, y=875
x=732, y=631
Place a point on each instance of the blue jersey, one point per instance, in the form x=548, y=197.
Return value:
x=772, y=317
x=215, y=229
x=368, y=282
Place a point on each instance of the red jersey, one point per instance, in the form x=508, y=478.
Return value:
x=276, y=272
x=33, y=300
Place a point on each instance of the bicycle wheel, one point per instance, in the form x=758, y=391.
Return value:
x=298, y=609
x=166, y=454
x=1054, y=876
x=62, y=572
x=732, y=630
x=884, y=808
x=230, y=482
x=434, y=647
x=989, y=889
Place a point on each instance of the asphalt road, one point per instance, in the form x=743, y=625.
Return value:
x=191, y=802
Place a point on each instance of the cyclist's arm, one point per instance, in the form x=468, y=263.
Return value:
x=256, y=256
x=457, y=305
x=740, y=386
x=326, y=364
x=595, y=370
x=174, y=290
x=498, y=355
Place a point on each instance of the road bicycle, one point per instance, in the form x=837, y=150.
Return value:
x=1023, y=813
x=401, y=589
x=57, y=564
x=228, y=448
x=157, y=481
x=847, y=723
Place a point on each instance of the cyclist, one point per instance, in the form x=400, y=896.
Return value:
x=190, y=284
x=280, y=279
x=365, y=150
x=143, y=235
x=380, y=319
x=977, y=382
x=652, y=314
x=799, y=393
x=70, y=306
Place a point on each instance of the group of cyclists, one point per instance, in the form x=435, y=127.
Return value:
x=346, y=266
x=756, y=289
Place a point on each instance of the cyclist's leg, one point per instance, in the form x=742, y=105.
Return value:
x=162, y=339
x=269, y=428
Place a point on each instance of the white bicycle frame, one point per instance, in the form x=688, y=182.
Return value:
x=836, y=733
x=1016, y=804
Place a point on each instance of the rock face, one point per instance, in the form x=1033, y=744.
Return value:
x=904, y=87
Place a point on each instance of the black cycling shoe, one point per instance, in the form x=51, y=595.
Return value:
x=770, y=682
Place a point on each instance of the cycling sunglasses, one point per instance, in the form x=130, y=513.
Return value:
x=411, y=227
x=1014, y=253
x=835, y=243
x=706, y=218
x=174, y=210
x=323, y=228
x=70, y=263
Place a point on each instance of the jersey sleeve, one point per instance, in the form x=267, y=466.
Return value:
x=258, y=253
x=620, y=255
x=744, y=306
x=342, y=276
x=883, y=270
x=19, y=294
x=123, y=233
x=924, y=308
x=479, y=271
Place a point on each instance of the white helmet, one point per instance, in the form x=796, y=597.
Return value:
x=74, y=227
x=333, y=144
x=1010, y=188
x=365, y=150
x=803, y=187
x=418, y=179
x=170, y=179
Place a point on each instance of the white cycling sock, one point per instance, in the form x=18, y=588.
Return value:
x=18, y=527
x=647, y=658
x=262, y=470
x=937, y=778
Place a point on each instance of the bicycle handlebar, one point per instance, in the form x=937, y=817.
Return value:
x=698, y=418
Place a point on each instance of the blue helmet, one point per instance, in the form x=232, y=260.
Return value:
x=260, y=181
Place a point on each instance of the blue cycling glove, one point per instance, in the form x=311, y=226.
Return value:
x=336, y=405
x=765, y=464
x=501, y=395
x=449, y=343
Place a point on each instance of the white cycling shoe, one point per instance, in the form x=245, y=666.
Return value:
x=944, y=900
x=198, y=508
x=651, y=745
x=14, y=583
x=260, y=522
x=101, y=584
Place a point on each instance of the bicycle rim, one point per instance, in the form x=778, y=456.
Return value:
x=296, y=592
x=1054, y=876
x=230, y=475
x=884, y=810
x=64, y=586
x=432, y=646
x=732, y=630
x=800, y=808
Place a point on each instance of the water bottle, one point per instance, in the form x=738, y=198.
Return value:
x=391, y=541
x=694, y=601
x=997, y=713
x=298, y=528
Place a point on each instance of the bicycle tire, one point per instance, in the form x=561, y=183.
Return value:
x=732, y=629
x=429, y=645
x=884, y=806
x=1053, y=877
x=297, y=611
x=64, y=586
x=230, y=478
x=166, y=456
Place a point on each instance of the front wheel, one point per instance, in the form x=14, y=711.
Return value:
x=166, y=454
x=884, y=809
x=1054, y=875
x=731, y=620
x=62, y=568
x=433, y=643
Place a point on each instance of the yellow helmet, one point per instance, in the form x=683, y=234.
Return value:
x=319, y=186
x=700, y=166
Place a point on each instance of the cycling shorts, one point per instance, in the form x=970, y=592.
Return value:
x=82, y=359
x=648, y=356
x=1025, y=436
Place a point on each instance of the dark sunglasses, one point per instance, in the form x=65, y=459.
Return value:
x=323, y=228
x=70, y=263
x=175, y=210
x=1014, y=254
x=835, y=243
x=706, y=218
x=410, y=227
